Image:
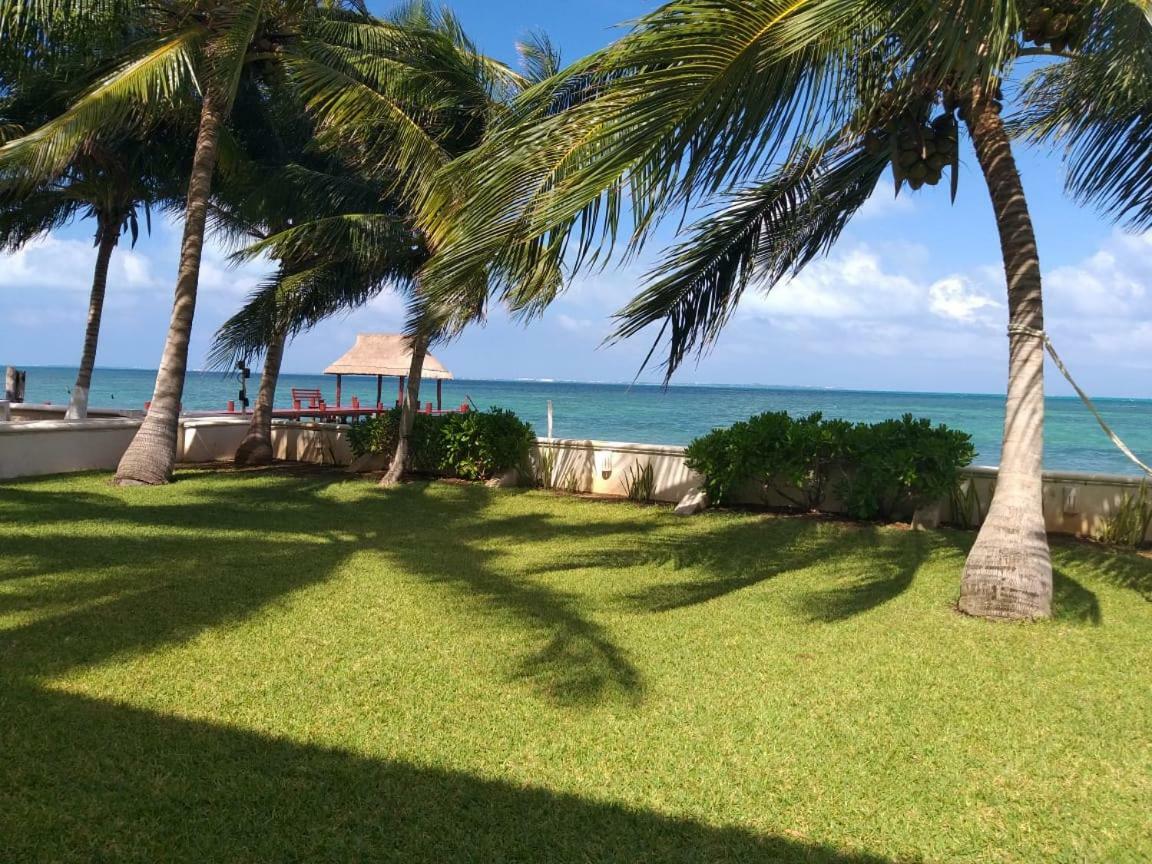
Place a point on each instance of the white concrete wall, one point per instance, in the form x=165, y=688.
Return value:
x=1074, y=503
x=37, y=447
x=322, y=443
x=211, y=439
x=29, y=449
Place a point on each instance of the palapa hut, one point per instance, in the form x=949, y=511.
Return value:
x=386, y=355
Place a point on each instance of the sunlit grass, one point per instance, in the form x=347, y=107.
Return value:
x=279, y=666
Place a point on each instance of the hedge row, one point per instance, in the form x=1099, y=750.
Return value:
x=477, y=445
x=879, y=470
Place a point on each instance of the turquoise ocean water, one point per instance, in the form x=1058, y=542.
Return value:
x=648, y=414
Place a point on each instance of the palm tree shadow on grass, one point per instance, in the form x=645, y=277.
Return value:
x=577, y=662
x=746, y=554
x=85, y=780
x=157, y=585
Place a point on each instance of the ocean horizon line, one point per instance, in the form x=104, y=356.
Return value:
x=813, y=388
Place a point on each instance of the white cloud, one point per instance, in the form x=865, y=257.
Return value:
x=137, y=269
x=852, y=284
x=955, y=298
x=1112, y=283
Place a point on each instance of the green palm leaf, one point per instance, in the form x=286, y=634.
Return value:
x=764, y=234
x=162, y=73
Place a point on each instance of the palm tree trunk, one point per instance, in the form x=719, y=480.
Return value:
x=408, y=411
x=1009, y=571
x=107, y=236
x=151, y=456
x=256, y=448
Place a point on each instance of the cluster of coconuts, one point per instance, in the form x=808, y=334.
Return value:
x=919, y=148
x=1058, y=25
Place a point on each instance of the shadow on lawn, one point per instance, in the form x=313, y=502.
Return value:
x=577, y=663
x=747, y=553
x=173, y=565
x=84, y=780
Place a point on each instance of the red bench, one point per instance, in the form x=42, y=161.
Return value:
x=308, y=398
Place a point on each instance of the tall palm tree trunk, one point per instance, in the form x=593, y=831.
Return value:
x=107, y=236
x=256, y=448
x=1009, y=571
x=408, y=411
x=151, y=456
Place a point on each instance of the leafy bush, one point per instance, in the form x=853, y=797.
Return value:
x=483, y=444
x=376, y=434
x=816, y=456
x=897, y=465
x=472, y=446
x=881, y=468
x=798, y=457
x=723, y=459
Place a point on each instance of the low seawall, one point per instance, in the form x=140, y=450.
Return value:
x=1074, y=503
x=39, y=447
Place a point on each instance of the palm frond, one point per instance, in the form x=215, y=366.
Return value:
x=701, y=95
x=1097, y=107
x=386, y=131
x=35, y=215
x=766, y=233
x=161, y=73
x=539, y=57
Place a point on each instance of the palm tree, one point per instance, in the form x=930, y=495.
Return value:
x=800, y=108
x=348, y=244
x=193, y=51
x=115, y=184
x=113, y=181
x=353, y=244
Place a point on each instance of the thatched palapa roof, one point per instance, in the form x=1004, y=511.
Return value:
x=384, y=354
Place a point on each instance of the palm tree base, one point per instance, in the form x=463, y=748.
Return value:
x=391, y=481
x=1008, y=575
x=254, y=450
x=151, y=457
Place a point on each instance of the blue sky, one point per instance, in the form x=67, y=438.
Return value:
x=910, y=299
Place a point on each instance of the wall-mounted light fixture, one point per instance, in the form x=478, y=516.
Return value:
x=604, y=463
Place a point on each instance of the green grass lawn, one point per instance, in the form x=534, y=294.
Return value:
x=271, y=667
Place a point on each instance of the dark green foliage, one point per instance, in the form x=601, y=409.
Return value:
x=883, y=468
x=482, y=444
x=1128, y=524
x=472, y=446
x=816, y=457
x=798, y=456
x=898, y=464
x=377, y=434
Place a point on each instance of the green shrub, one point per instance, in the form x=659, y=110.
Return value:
x=1128, y=525
x=375, y=434
x=722, y=458
x=797, y=457
x=815, y=459
x=881, y=468
x=483, y=444
x=896, y=465
x=472, y=446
